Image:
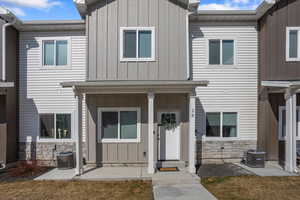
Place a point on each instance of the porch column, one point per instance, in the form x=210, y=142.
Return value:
x=192, y=131
x=151, y=97
x=291, y=123
x=78, y=134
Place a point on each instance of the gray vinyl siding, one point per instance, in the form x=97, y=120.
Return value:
x=104, y=20
x=132, y=153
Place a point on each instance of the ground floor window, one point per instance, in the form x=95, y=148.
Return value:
x=55, y=126
x=221, y=124
x=282, y=123
x=119, y=124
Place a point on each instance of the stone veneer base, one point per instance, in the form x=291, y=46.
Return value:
x=216, y=152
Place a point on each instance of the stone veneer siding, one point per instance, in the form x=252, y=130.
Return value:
x=223, y=151
x=45, y=152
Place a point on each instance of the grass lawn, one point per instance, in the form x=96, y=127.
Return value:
x=253, y=188
x=73, y=190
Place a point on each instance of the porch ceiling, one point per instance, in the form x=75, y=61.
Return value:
x=117, y=87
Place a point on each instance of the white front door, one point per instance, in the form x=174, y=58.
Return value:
x=168, y=136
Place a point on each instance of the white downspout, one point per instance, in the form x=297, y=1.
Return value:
x=4, y=48
x=188, y=67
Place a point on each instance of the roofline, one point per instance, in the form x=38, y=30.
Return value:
x=51, y=25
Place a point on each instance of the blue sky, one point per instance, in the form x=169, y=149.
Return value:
x=65, y=9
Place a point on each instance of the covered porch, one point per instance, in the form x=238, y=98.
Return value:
x=136, y=123
x=279, y=122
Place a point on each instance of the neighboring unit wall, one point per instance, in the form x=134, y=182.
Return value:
x=272, y=36
x=230, y=89
x=104, y=20
x=40, y=91
x=273, y=66
x=11, y=94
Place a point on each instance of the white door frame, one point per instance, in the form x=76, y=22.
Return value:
x=177, y=113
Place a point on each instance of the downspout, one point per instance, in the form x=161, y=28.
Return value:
x=4, y=48
x=188, y=67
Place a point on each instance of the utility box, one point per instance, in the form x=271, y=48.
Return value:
x=65, y=160
x=255, y=159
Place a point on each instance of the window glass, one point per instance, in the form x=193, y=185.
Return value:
x=63, y=126
x=109, y=125
x=214, y=52
x=128, y=124
x=129, y=44
x=293, y=44
x=48, y=52
x=144, y=44
x=62, y=52
x=47, y=126
x=229, y=124
x=213, y=123
x=228, y=51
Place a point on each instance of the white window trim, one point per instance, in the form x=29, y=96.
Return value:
x=288, y=29
x=280, y=136
x=40, y=139
x=137, y=29
x=221, y=53
x=207, y=138
x=119, y=109
x=44, y=39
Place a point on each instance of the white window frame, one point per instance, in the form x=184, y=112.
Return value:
x=280, y=113
x=41, y=139
x=221, y=126
x=288, y=29
x=137, y=29
x=119, y=140
x=221, y=53
x=55, y=39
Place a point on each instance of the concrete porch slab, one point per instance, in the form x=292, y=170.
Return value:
x=269, y=170
x=57, y=174
x=99, y=174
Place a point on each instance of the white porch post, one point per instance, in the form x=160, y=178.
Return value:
x=192, y=136
x=78, y=134
x=151, y=97
x=291, y=123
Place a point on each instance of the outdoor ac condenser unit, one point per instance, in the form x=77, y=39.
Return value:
x=65, y=160
x=255, y=159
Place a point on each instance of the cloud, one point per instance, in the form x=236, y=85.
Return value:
x=17, y=11
x=39, y=4
x=231, y=5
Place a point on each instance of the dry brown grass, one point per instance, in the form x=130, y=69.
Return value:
x=73, y=190
x=254, y=188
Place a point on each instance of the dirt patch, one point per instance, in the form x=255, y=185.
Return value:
x=79, y=190
x=221, y=170
x=253, y=187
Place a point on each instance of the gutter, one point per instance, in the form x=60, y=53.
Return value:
x=4, y=48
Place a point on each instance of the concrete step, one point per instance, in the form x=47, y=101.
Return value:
x=166, y=164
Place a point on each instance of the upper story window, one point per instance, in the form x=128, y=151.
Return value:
x=137, y=44
x=55, y=52
x=293, y=44
x=221, y=52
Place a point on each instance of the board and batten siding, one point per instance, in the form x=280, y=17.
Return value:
x=40, y=89
x=104, y=20
x=231, y=88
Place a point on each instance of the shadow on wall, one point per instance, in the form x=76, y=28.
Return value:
x=200, y=130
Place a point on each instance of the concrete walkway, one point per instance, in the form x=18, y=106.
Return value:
x=269, y=170
x=179, y=186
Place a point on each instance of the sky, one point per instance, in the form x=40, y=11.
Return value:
x=66, y=10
